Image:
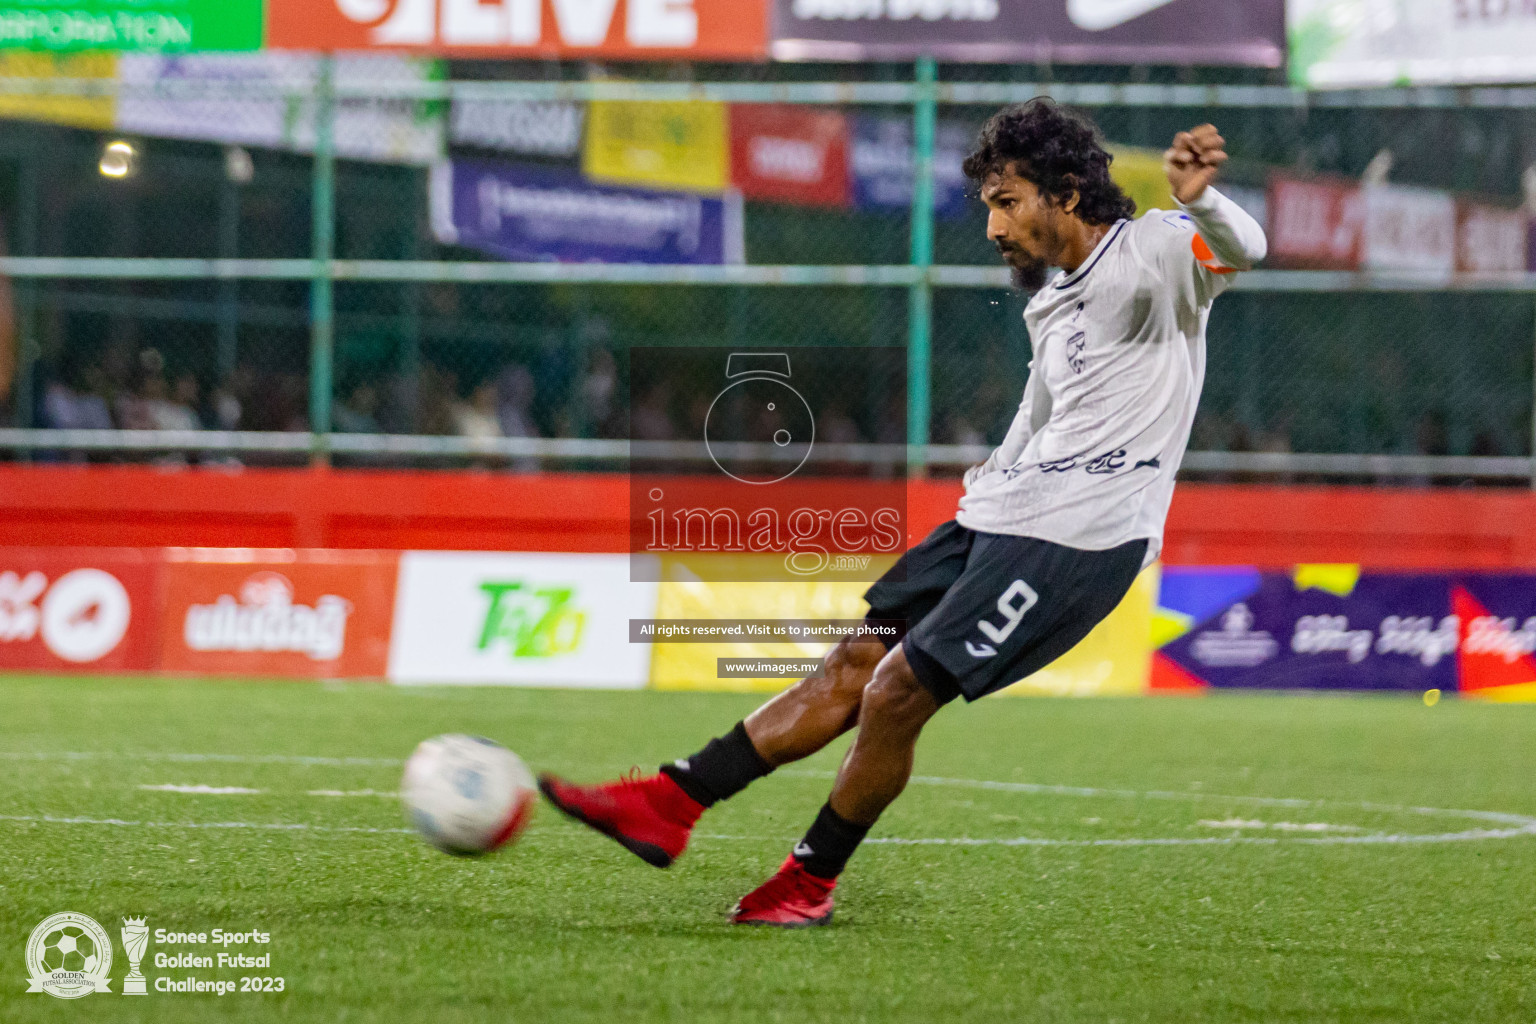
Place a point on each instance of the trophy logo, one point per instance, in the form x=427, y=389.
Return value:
x=135, y=938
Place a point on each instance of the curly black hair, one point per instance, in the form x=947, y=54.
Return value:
x=1058, y=151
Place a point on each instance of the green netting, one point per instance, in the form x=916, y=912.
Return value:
x=1429, y=372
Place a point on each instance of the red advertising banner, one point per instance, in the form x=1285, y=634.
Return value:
x=301, y=614
x=790, y=154
x=77, y=609
x=1315, y=223
x=1490, y=239
x=636, y=29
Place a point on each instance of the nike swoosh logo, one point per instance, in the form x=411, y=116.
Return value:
x=1098, y=15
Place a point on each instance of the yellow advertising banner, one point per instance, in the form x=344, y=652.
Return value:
x=93, y=112
x=695, y=666
x=1140, y=173
x=681, y=145
x=1113, y=660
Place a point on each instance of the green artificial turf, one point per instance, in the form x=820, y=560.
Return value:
x=374, y=926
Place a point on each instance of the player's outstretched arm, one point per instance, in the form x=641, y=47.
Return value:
x=1192, y=163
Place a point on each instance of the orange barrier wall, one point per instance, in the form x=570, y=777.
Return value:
x=138, y=506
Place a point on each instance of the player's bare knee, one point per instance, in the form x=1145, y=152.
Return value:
x=847, y=667
x=895, y=696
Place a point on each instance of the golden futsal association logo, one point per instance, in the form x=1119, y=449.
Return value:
x=69, y=956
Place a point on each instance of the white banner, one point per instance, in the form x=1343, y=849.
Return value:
x=1411, y=229
x=519, y=619
x=524, y=127
x=1347, y=43
x=280, y=112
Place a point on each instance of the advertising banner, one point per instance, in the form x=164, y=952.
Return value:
x=789, y=154
x=1111, y=660
x=1412, y=229
x=884, y=164
x=524, y=127
x=77, y=609
x=91, y=112
x=1063, y=31
x=519, y=619
x=299, y=614
x=661, y=145
x=1139, y=172
x=1490, y=239
x=633, y=29
x=145, y=26
x=1315, y=223
x=279, y=109
x=1351, y=43
x=1336, y=627
x=548, y=213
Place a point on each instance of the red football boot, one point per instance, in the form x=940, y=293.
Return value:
x=792, y=898
x=650, y=817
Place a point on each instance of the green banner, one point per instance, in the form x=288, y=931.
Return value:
x=138, y=26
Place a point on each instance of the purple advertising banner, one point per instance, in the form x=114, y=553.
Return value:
x=1334, y=627
x=1065, y=31
x=882, y=164
x=539, y=214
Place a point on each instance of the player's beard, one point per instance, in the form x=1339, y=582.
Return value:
x=1028, y=273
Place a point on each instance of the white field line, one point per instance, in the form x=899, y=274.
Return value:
x=201, y=789
x=273, y=826
x=387, y=794
x=92, y=755
x=1517, y=824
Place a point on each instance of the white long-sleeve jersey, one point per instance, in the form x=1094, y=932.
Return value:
x=1119, y=359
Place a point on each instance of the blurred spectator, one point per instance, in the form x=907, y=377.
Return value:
x=71, y=403
x=514, y=391
x=959, y=430
x=358, y=412
x=180, y=411
x=436, y=393
x=598, y=393
x=477, y=416
x=221, y=410
x=151, y=406
x=651, y=418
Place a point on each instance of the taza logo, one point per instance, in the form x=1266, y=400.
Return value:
x=534, y=622
x=659, y=23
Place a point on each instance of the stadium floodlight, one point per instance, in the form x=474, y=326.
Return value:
x=119, y=159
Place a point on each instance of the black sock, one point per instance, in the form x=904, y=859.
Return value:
x=726, y=766
x=825, y=850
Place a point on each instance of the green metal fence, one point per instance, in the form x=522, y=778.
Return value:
x=314, y=334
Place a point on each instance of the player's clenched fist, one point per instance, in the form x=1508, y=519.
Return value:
x=1192, y=161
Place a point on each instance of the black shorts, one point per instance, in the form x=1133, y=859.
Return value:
x=984, y=610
